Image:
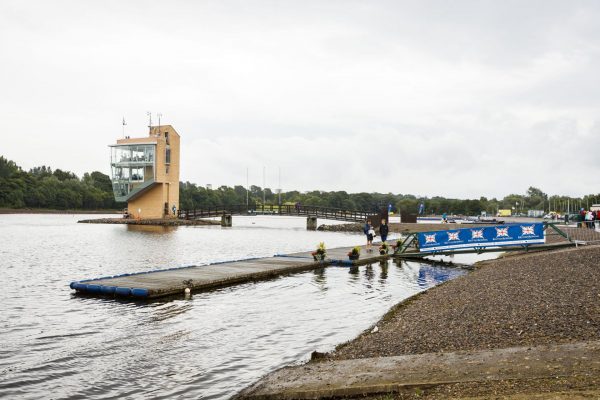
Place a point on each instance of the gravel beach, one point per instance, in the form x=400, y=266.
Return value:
x=521, y=300
x=526, y=299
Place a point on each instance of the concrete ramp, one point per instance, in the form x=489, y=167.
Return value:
x=370, y=376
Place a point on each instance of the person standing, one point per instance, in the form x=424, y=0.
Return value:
x=589, y=218
x=581, y=218
x=384, y=229
x=368, y=230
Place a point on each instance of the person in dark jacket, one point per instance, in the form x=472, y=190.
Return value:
x=384, y=229
x=368, y=229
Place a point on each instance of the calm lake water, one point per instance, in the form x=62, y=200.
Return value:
x=211, y=345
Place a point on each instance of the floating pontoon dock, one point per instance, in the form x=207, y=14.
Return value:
x=172, y=281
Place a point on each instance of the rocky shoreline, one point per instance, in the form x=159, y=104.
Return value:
x=353, y=227
x=526, y=299
x=152, y=222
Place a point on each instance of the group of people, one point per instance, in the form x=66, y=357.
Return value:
x=587, y=218
x=369, y=230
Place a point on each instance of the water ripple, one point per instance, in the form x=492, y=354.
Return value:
x=210, y=346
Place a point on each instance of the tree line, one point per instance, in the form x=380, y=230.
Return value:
x=192, y=196
x=42, y=187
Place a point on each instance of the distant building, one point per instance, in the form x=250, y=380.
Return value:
x=535, y=213
x=145, y=173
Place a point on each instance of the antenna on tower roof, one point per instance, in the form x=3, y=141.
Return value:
x=149, y=114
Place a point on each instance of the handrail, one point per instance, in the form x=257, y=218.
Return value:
x=286, y=209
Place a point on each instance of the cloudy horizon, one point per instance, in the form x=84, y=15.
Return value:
x=461, y=99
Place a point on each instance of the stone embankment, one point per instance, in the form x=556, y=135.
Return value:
x=399, y=227
x=354, y=227
x=153, y=222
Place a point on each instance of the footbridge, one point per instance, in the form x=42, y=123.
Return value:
x=311, y=212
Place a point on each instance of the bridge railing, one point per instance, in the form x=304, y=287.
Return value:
x=274, y=209
x=578, y=232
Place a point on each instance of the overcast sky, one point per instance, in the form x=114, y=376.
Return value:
x=451, y=98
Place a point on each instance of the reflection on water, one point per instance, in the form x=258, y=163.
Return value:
x=319, y=278
x=209, y=345
x=384, y=271
x=160, y=230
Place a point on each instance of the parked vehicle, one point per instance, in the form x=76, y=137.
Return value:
x=572, y=217
x=535, y=213
x=553, y=215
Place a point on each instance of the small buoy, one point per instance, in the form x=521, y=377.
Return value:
x=187, y=290
x=375, y=330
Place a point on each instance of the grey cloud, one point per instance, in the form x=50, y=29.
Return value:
x=441, y=98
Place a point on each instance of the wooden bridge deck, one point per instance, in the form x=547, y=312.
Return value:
x=159, y=283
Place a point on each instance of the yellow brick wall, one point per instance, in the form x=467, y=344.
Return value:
x=150, y=202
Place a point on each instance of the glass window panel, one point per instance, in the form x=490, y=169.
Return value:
x=130, y=166
x=137, y=174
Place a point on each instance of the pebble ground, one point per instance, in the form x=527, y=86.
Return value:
x=527, y=299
